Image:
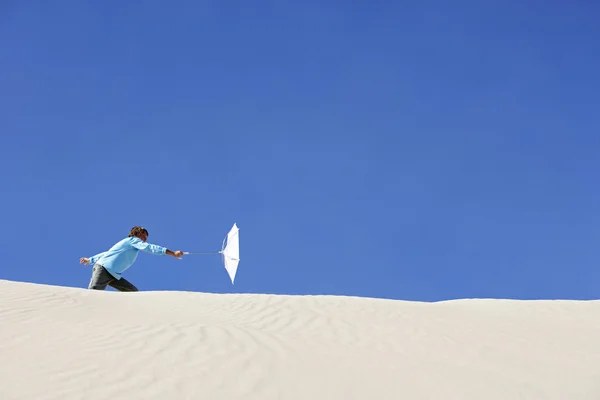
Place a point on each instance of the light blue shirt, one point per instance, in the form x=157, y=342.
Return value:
x=123, y=254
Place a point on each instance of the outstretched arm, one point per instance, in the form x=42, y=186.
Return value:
x=92, y=260
x=176, y=254
x=155, y=249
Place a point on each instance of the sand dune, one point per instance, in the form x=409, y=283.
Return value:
x=68, y=343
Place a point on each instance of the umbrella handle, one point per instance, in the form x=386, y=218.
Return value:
x=200, y=252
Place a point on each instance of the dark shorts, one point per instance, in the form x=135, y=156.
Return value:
x=102, y=278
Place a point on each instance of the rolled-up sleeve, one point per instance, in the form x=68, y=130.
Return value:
x=149, y=247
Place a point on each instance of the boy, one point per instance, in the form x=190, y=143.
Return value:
x=109, y=265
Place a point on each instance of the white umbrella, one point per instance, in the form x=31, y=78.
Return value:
x=230, y=251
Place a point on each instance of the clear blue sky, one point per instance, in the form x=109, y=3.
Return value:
x=418, y=151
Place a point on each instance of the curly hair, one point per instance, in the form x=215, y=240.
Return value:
x=136, y=230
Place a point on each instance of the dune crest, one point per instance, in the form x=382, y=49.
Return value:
x=69, y=343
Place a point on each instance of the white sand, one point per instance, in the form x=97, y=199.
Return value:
x=68, y=343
